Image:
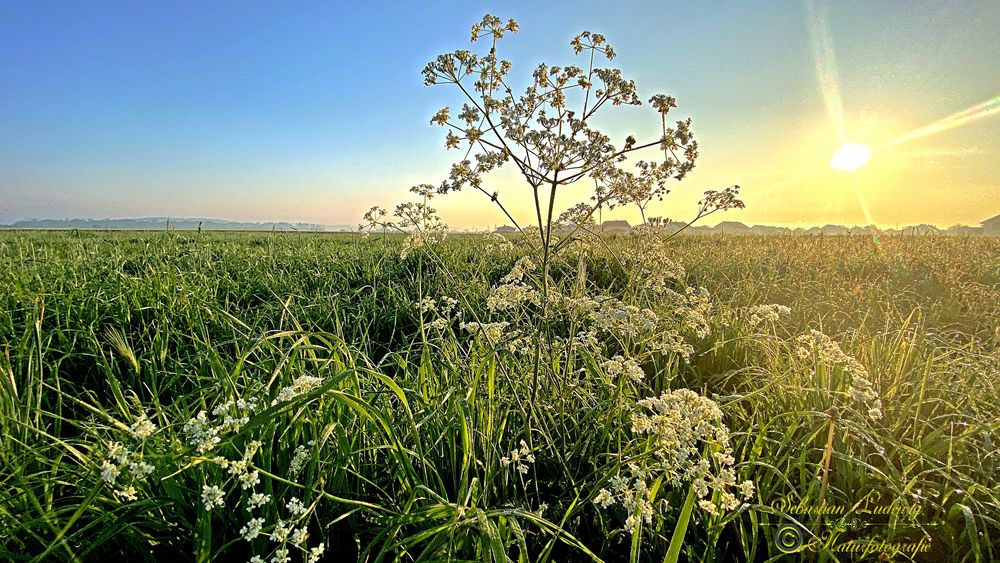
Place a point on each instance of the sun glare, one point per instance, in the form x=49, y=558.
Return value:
x=850, y=157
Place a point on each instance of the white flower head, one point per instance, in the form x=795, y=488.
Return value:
x=143, y=428
x=109, y=472
x=212, y=497
x=252, y=529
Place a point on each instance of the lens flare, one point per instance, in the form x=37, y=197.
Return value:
x=850, y=157
x=825, y=61
x=957, y=119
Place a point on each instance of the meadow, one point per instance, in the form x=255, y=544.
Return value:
x=306, y=396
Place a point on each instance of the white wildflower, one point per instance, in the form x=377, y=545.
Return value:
x=109, y=472
x=303, y=384
x=141, y=469
x=829, y=353
x=259, y=499
x=118, y=452
x=281, y=531
x=249, y=479
x=252, y=529
x=212, y=497
x=296, y=507
x=604, y=498
x=620, y=366
x=281, y=555
x=126, y=493
x=728, y=501
x=143, y=428
x=200, y=432
x=298, y=460
x=315, y=553
x=766, y=314
x=520, y=458
x=299, y=536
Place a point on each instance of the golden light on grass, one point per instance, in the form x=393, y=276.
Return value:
x=850, y=157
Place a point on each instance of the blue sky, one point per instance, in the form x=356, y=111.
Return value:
x=314, y=111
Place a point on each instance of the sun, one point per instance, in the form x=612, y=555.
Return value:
x=850, y=157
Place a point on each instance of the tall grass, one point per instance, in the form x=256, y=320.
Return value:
x=400, y=436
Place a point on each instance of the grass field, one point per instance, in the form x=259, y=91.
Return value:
x=179, y=396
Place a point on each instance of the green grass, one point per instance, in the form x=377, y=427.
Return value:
x=401, y=444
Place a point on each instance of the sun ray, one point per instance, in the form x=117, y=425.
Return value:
x=825, y=62
x=863, y=202
x=975, y=113
x=851, y=156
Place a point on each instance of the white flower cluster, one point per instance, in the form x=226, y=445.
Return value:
x=127, y=493
x=521, y=268
x=512, y=296
x=241, y=469
x=828, y=352
x=492, y=332
x=302, y=385
x=118, y=457
x=519, y=458
x=212, y=496
x=252, y=529
x=296, y=507
x=680, y=425
x=143, y=428
x=632, y=493
x=680, y=422
x=650, y=265
x=235, y=413
x=514, y=292
x=496, y=243
x=418, y=220
x=287, y=532
x=444, y=309
x=201, y=433
x=258, y=500
x=315, y=553
x=620, y=366
x=671, y=342
x=598, y=320
x=420, y=239
x=299, y=460
x=695, y=311
x=618, y=319
x=771, y=314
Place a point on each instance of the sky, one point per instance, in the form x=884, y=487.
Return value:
x=315, y=111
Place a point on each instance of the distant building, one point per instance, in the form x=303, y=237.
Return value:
x=991, y=226
x=767, y=230
x=505, y=230
x=963, y=230
x=673, y=226
x=864, y=230
x=924, y=230
x=616, y=227
x=732, y=227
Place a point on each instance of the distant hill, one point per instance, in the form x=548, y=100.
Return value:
x=161, y=223
x=988, y=227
